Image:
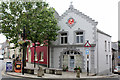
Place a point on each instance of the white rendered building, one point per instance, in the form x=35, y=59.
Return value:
x=69, y=51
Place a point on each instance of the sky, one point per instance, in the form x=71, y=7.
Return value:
x=105, y=12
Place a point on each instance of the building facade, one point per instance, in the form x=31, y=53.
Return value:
x=40, y=57
x=69, y=51
x=115, y=55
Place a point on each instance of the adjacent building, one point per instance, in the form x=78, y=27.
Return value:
x=40, y=56
x=115, y=55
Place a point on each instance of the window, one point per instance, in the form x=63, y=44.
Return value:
x=79, y=37
x=36, y=56
x=41, y=56
x=105, y=45
x=26, y=56
x=106, y=59
x=109, y=46
x=63, y=38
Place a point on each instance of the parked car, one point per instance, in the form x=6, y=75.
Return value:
x=117, y=69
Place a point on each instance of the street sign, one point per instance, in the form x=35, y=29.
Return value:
x=8, y=66
x=87, y=44
x=86, y=51
x=119, y=57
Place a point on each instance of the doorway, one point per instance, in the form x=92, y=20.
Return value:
x=72, y=63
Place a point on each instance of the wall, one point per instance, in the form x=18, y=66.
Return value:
x=81, y=24
x=104, y=67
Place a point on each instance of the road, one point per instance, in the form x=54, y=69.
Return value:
x=6, y=77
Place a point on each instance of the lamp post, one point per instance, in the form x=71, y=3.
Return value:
x=23, y=51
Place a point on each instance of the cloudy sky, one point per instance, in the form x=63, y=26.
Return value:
x=105, y=12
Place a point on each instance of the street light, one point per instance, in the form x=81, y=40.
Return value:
x=23, y=51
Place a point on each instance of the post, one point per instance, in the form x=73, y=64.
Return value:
x=87, y=68
x=34, y=53
x=78, y=74
x=23, y=51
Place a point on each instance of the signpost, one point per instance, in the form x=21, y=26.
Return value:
x=87, y=45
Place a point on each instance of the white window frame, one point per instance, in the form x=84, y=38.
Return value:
x=79, y=35
x=41, y=56
x=64, y=36
x=36, y=59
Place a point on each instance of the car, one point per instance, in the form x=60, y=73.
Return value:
x=117, y=69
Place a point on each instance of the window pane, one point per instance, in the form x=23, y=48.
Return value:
x=71, y=57
x=79, y=33
x=81, y=39
x=36, y=56
x=61, y=40
x=105, y=46
x=77, y=38
x=67, y=52
x=41, y=55
x=106, y=59
x=63, y=34
x=65, y=39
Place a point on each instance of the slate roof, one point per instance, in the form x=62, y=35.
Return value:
x=103, y=32
x=115, y=45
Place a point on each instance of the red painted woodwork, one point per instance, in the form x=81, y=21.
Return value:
x=38, y=50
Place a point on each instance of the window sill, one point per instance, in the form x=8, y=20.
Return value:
x=36, y=60
x=41, y=60
x=64, y=44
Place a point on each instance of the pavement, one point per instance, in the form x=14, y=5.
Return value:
x=64, y=75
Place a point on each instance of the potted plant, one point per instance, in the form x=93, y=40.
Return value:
x=64, y=68
x=67, y=68
x=75, y=69
x=78, y=69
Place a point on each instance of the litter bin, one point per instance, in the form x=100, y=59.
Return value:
x=1, y=67
x=18, y=66
x=9, y=67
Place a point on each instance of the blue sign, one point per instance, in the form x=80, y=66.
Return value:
x=8, y=66
x=119, y=57
x=86, y=51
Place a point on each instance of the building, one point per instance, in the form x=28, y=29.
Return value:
x=69, y=51
x=119, y=21
x=40, y=57
x=115, y=56
x=5, y=49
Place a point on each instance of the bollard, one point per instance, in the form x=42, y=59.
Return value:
x=78, y=74
x=40, y=72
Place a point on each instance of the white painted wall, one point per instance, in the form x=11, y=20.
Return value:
x=81, y=23
x=103, y=66
x=91, y=34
